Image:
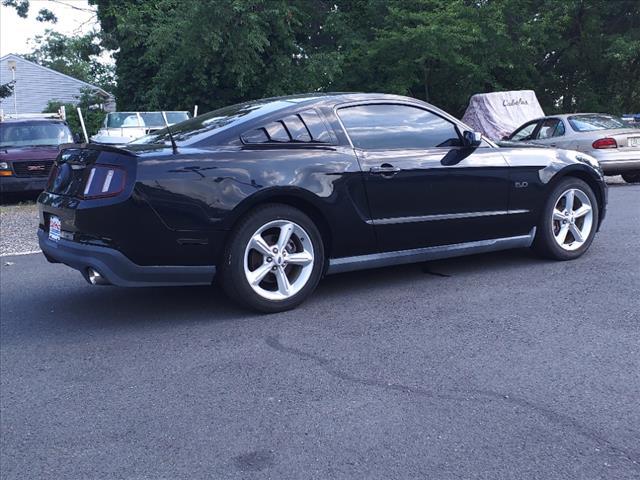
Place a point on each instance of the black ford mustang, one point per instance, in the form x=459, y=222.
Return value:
x=269, y=196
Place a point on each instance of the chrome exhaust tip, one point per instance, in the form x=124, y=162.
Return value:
x=95, y=278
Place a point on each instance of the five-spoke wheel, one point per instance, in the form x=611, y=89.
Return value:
x=568, y=221
x=274, y=258
x=572, y=219
x=278, y=260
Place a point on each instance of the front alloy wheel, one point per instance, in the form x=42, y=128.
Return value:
x=568, y=221
x=572, y=219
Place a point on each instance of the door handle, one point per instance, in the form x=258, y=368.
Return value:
x=385, y=169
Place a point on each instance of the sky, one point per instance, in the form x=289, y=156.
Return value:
x=15, y=32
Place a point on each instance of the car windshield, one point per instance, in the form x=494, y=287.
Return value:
x=199, y=128
x=143, y=119
x=155, y=120
x=34, y=134
x=124, y=120
x=590, y=123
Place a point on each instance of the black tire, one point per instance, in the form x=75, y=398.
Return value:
x=631, y=177
x=545, y=243
x=232, y=276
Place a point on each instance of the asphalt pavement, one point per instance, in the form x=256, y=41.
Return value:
x=499, y=366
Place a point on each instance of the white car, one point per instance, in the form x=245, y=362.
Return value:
x=612, y=141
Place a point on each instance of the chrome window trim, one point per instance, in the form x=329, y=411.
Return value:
x=344, y=129
x=564, y=128
x=376, y=260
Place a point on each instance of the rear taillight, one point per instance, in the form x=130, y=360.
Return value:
x=104, y=181
x=605, y=143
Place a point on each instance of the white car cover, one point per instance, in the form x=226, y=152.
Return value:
x=498, y=114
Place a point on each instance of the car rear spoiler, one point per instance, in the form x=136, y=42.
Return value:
x=97, y=146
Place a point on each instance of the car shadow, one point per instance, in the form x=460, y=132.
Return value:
x=82, y=308
x=352, y=282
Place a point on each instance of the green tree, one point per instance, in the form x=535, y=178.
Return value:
x=6, y=90
x=576, y=54
x=175, y=54
x=588, y=54
x=423, y=48
x=76, y=56
x=92, y=112
x=22, y=9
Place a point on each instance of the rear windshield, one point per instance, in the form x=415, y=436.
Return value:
x=34, y=134
x=589, y=123
x=203, y=126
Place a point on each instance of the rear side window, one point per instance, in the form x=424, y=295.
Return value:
x=277, y=132
x=388, y=126
x=305, y=127
x=257, y=135
x=297, y=129
x=552, y=127
x=316, y=126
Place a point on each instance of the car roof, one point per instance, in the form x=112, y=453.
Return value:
x=565, y=116
x=336, y=98
x=275, y=108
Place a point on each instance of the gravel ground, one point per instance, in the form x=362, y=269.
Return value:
x=18, y=226
x=617, y=180
x=19, y=223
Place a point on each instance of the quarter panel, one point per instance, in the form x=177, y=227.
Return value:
x=209, y=189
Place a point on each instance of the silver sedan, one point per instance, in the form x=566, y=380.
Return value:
x=611, y=140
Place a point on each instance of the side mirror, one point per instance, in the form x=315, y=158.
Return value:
x=471, y=139
x=77, y=138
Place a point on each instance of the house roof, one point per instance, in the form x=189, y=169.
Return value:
x=22, y=59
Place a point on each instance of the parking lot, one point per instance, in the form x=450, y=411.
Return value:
x=489, y=367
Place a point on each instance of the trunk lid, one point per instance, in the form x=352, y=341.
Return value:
x=626, y=138
x=73, y=167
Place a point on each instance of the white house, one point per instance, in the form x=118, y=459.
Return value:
x=36, y=85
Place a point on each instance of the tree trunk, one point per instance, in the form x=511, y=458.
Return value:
x=425, y=73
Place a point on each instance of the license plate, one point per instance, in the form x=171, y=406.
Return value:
x=54, y=228
x=634, y=141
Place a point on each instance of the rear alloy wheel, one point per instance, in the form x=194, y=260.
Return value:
x=274, y=259
x=631, y=177
x=278, y=260
x=569, y=221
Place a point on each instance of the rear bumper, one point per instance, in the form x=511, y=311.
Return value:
x=615, y=161
x=22, y=184
x=615, y=167
x=117, y=269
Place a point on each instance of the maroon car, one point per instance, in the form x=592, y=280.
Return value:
x=28, y=148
